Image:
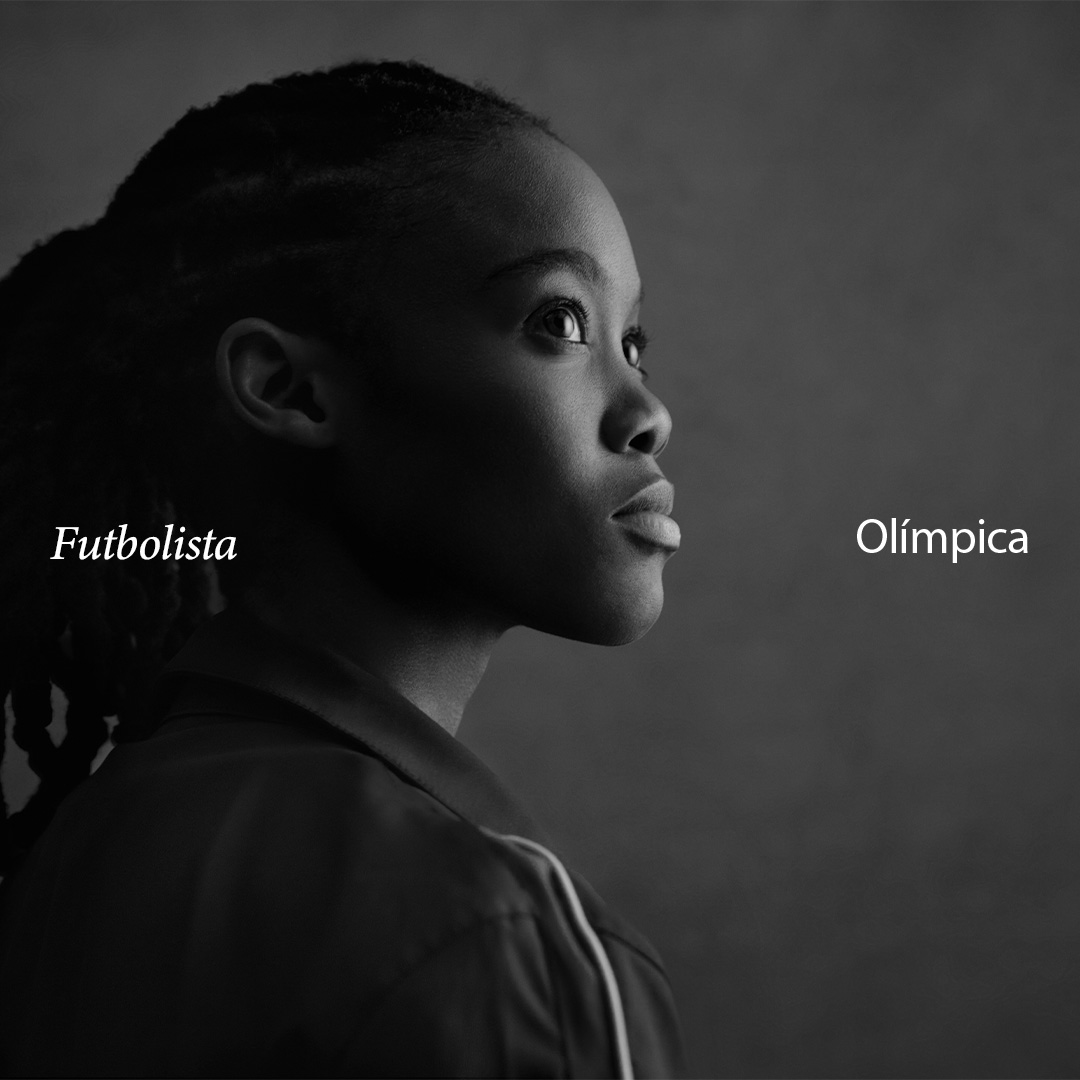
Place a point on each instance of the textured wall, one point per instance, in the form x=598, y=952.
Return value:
x=838, y=790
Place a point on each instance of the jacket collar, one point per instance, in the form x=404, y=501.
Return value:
x=239, y=648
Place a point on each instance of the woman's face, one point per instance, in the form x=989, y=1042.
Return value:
x=497, y=422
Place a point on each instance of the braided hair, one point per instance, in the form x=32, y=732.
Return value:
x=269, y=201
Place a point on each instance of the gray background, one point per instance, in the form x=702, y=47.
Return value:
x=837, y=790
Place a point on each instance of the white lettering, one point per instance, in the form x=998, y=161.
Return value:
x=231, y=549
x=929, y=534
x=963, y=540
x=125, y=539
x=93, y=550
x=959, y=550
x=60, y=541
x=884, y=535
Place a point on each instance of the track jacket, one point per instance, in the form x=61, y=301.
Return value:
x=301, y=874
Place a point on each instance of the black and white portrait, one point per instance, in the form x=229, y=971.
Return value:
x=539, y=539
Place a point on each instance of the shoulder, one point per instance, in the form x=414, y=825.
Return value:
x=268, y=880
x=285, y=811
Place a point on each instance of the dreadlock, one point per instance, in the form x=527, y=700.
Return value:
x=265, y=201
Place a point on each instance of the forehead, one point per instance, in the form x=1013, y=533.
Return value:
x=526, y=195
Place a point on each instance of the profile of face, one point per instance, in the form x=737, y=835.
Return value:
x=496, y=442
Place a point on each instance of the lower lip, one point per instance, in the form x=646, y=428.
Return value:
x=656, y=529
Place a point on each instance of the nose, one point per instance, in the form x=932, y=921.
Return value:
x=636, y=420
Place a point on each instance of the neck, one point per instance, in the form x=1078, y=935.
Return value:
x=432, y=653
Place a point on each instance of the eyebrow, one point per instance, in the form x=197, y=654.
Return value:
x=581, y=262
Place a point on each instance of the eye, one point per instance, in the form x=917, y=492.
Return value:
x=633, y=346
x=566, y=322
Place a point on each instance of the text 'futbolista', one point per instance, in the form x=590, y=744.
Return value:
x=152, y=547
x=1017, y=545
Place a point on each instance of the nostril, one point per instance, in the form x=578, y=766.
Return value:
x=636, y=422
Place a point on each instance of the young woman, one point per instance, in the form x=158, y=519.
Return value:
x=356, y=356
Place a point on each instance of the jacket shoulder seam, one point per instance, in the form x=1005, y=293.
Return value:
x=615, y=936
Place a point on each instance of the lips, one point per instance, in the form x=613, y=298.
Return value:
x=647, y=516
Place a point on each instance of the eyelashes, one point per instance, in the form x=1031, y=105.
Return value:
x=634, y=343
x=567, y=320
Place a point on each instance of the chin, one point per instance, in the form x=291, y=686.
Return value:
x=614, y=617
x=629, y=626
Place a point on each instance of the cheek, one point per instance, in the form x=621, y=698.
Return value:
x=501, y=494
x=497, y=485
x=493, y=436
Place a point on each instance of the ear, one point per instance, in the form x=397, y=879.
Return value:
x=279, y=383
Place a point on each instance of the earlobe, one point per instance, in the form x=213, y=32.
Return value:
x=277, y=382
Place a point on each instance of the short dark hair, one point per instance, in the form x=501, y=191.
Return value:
x=256, y=204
